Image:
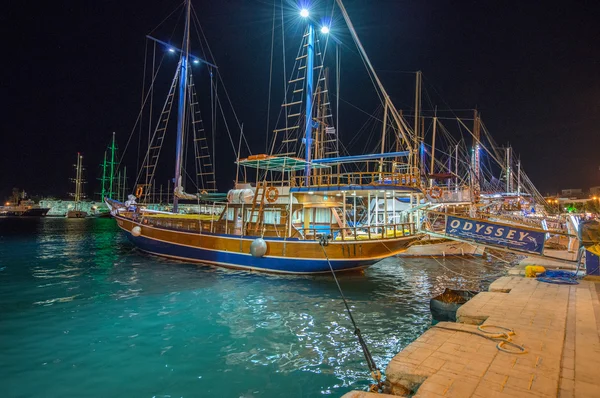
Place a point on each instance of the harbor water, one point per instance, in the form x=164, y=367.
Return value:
x=83, y=314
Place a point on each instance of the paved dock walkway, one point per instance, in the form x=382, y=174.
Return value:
x=557, y=324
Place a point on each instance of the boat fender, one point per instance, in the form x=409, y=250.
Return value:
x=136, y=231
x=258, y=247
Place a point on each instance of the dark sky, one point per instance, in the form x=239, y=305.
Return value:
x=72, y=74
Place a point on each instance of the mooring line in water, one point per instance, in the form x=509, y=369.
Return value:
x=479, y=277
x=375, y=372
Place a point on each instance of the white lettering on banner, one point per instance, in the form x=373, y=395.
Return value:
x=499, y=232
x=455, y=224
x=522, y=235
x=478, y=227
x=467, y=226
x=511, y=234
x=489, y=230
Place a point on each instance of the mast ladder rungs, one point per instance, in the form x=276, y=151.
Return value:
x=194, y=103
x=154, y=147
x=203, y=157
x=294, y=115
x=322, y=79
x=286, y=129
x=302, y=56
x=318, y=67
x=292, y=103
x=205, y=174
x=200, y=139
x=286, y=141
x=209, y=165
x=331, y=153
x=302, y=67
x=197, y=121
x=298, y=91
x=296, y=80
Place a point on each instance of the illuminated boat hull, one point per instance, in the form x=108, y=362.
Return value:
x=290, y=256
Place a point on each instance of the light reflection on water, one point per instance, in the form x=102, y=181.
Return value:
x=84, y=314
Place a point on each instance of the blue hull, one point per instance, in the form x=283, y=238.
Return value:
x=245, y=261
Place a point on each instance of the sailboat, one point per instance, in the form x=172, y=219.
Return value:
x=300, y=209
x=76, y=212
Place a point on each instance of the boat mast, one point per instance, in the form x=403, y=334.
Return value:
x=78, y=179
x=112, y=166
x=103, y=194
x=509, y=185
x=476, y=173
x=310, y=54
x=183, y=65
x=419, y=161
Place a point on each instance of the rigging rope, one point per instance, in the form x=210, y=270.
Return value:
x=375, y=372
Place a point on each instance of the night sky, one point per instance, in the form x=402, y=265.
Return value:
x=72, y=74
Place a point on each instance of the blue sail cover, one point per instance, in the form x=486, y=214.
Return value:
x=508, y=236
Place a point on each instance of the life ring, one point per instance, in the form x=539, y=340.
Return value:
x=435, y=192
x=272, y=194
x=139, y=191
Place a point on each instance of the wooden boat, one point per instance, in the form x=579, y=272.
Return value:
x=286, y=213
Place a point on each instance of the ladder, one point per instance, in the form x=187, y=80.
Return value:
x=205, y=171
x=155, y=144
x=260, y=191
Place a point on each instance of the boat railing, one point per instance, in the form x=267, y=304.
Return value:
x=345, y=233
x=357, y=178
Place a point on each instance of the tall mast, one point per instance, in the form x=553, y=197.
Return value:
x=183, y=65
x=419, y=165
x=103, y=194
x=78, y=179
x=112, y=166
x=310, y=55
x=509, y=185
x=475, y=167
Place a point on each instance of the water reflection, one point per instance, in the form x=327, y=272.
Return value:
x=78, y=300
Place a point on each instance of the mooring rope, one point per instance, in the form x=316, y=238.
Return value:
x=375, y=372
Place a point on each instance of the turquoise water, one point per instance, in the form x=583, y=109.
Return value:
x=83, y=314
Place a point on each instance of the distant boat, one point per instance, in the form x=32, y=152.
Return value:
x=76, y=212
x=26, y=208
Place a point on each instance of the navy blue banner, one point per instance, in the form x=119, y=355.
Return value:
x=508, y=236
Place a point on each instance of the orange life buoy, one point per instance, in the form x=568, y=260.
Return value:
x=435, y=192
x=272, y=194
x=139, y=191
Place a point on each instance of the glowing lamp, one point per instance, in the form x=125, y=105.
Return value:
x=196, y=61
x=171, y=50
x=325, y=29
x=304, y=13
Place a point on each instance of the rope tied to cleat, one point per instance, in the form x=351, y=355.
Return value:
x=375, y=372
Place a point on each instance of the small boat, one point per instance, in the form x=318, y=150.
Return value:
x=444, y=306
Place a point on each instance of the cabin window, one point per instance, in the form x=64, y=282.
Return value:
x=272, y=216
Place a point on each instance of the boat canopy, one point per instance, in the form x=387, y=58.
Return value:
x=352, y=159
x=277, y=163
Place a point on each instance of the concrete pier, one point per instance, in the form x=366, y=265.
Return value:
x=558, y=325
